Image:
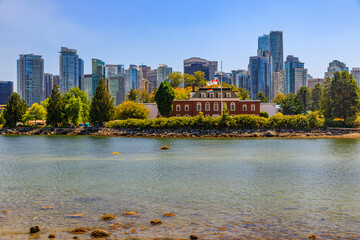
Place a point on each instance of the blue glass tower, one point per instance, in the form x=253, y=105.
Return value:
x=263, y=44
x=98, y=72
x=6, y=89
x=71, y=69
x=30, y=78
x=277, y=50
x=259, y=71
x=295, y=74
x=80, y=72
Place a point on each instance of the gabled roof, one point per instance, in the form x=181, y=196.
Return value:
x=216, y=93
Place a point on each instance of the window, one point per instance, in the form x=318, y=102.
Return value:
x=228, y=95
x=244, y=107
x=252, y=107
x=178, y=115
x=232, y=106
x=198, y=106
x=178, y=108
x=187, y=108
x=219, y=95
x=186, y=115
x=207, y=115
x=216, y=106
x=216, y=115
x=207, y=106
x=211, y=95
x=203, y=95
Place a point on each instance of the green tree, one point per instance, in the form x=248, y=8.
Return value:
x=164, y=98
x=132, y=95
x=130, y=109
x=77, y=106
x=341, y=97
x=243, y=94
x=195, y=80
x=291, y=105
x=2, y=119
x=146, y=97
x=36, y=112
x=316, y=93
x=55, y=109
x=14, y=110
x=102, y=107
x=279, y=98
x=261, y=96
x=175, y=79
x=45, y=103
x=304, y=95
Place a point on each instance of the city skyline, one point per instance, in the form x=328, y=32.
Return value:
x=182, y=38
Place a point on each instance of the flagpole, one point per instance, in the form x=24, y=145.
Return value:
x=221, y=90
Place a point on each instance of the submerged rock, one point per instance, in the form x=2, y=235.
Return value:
x=313, y=236
x=99, y=233
x=52, y=235
x=35, y=229
x=130, y=213
x=79, y=230
x=75, y=216
x=169, y=215
x=166, y=147
x=193, y=237
x=156, y=222
x=108, y=217
x=116, y=153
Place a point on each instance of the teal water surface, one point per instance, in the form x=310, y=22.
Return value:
x=230, y=188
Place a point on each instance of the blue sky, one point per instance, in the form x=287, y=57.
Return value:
x=160, y=31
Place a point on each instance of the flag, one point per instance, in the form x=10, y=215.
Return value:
x=209, y=90
x=213, y=82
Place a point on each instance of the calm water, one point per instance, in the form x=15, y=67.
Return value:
x=242, y=188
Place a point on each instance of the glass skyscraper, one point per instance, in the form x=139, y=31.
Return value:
x=163, y=72
x=259, y=71
x=195, y=64
x=98, y=72
x=71, y=69
x=295, y=74
x=277, y=50
x=30, y=78
x=6, y=89
x=263, y=44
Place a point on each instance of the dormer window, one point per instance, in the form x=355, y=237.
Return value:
x=219, y=95
x=203, y=95
x=228, y=95
x=211, y=95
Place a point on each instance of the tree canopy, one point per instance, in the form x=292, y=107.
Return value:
x=261, y=96
x=164, y=98
x=304, y=95
x=55, y=109
x=77, y=106
x=14, y=110
x=130, y=109
x=316, y=94
x=195, y=80
x=133, y=95
x=36, y=112
x=175, y=79
x=291, y=105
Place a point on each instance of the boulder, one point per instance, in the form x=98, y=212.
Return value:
x=193, y=237
x=166, y=147
x=169, y=215
x=99, y=233
x=269, y=134
x=130, y=213
x=52, y=235
x=79, y=230
x=35, y=229
x=156, y=222
x=108, y=217
x=313, y=236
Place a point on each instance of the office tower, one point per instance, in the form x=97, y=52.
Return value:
x=30, y=78
x=117, y=87
x=335, y=66
x=6, y=89
x=49, y=84
x=278, y=83
x=313, y=81
x=98, y=72
x=356, y=75
x=259, y=71
x=86, y=84
x=111, y=69
x=71, y=69
x=152, y=78
x=163, y=72
x=133, y=78
x=273, y=43
x=195, y=64
x=295, y=74
x=240, y=78
x=223, y=77
x=145, y=83
x=263, y=44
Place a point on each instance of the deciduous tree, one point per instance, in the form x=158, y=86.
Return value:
x=291, y=105
x=130, y=109
x=175, y=79
x=261, y=96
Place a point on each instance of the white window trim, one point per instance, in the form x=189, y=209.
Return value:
x=186, y=108
x=216, y=106
x=253, y=107
x=207, y=106
x=198, y=106
x=203, y=95
x=228, y=95
x=178, y=107
x=232, y=106
x=244, y=107
x=178, y=115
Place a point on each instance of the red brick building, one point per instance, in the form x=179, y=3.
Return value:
x=209, y=102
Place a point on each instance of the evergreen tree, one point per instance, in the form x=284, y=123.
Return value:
x=291, y=105
x=164, y=98
x=341, y=97
x=304, y=95
x=261, y=96
x=102, y=107
x=55, y=116
x=132, y=95
x=316, y=93
x=14, y=110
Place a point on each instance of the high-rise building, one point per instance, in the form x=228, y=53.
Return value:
x=49, y=84
x=152, y=78
x=30, y=78
x=6, y=89
x=86, y=84
x=116, y=82
x=71, y=69
x=112, y=69
x=98, y=72
x=356, y=75
x=313, y=81
x=163, y=72
x=335, y=66
x=295, y=74
x=278, y=83
x=240, y=78
x=145, y=83
x=259, y=72
x=133, y=78
x=273, y=43
x=223, y=77
x=263, y=44
x=195, y=64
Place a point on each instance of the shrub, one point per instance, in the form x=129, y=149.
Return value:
x=264, y=114
x=316, y=120
x=130, y=109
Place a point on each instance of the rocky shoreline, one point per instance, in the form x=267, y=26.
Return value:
x=184, y=133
